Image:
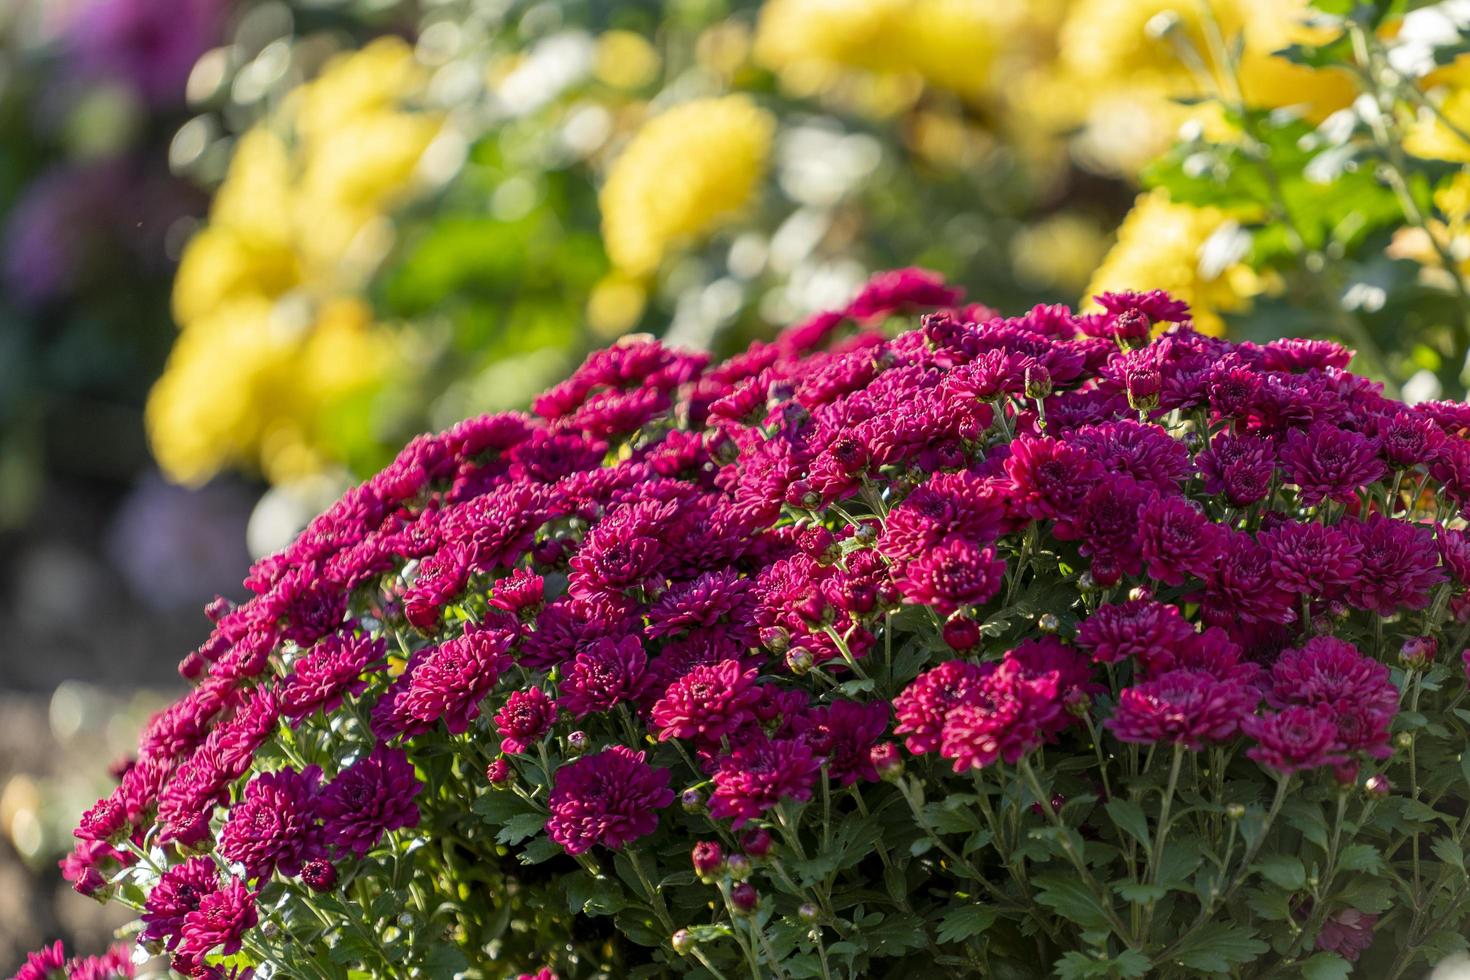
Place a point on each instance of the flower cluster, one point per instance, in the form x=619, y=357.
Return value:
x=1102, y=566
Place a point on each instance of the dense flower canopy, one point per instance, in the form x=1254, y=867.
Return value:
x=737, y=581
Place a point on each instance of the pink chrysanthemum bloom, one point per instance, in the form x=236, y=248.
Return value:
x=923, y=706
x=707, y=704
x=178, y=892
x=274, y=826
x=1348, y=933
x=757, y=776
x=956, y=574
x=610, y=798
x=42, y=964
x=218, y=923
x=1312, y=559
x=449, y=681
x=525, y=719
x=1049, y=478
x=1296, y=739
x=1328, y=463
x=608, y=673
x=1140, y=628
x=369, y=798
x=1400, y=565
x=1186, y=706
x=333, y=669
x=843, y=733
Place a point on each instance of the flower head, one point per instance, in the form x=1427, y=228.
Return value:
x=610, y=798
x=369, y=798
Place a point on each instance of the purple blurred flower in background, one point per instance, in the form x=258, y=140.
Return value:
x=149, y=45
x=179, y=547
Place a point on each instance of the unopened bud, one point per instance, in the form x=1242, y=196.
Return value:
x=800, y=660
x=745, y=898
x=1418, y=652
x=887, y=761
x=692, y=800
x=1048, y=623
x=577, y=743
x=1377, y=786
x=682, y=942
x=1235, y=811
x=739, y=866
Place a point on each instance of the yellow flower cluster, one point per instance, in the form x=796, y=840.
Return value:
x=683, y=173
x=1122, y=63
x=266, y=296
x=950, y=44
x=1183, y=249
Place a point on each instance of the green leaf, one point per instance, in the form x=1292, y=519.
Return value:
x=1360, y=857
x=1284, y=871
x=1071, y=900
x=1139, y=893
x=1081, y=966
x=1215, y=946
x=896, y=934
x=1326, y=966
x=1128, y=816
x=445, y=962
x=497, y=807
x=594, y=896
x=961, y=923
x=521, y=826
x=1449, y=852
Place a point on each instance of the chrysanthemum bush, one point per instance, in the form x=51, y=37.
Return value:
x=1067, y=645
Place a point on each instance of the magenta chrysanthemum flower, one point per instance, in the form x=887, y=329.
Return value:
x=611, y=798
x=525, y=719
x=1328, y=463
x=1189, y=707
x=922, y=707
x=1049, y=478
x=42, y=964
x=955, y=574
x=179, y=891
x=522, y=592
x=1293, y=740
x=274, y=826
x=1312, y=559
x=1140, y=628
x=1243, y=587
x=1400, y=565
x=1348, y=933
x=328, y=672
x=608, y=673
x=959, y=504
x=705, y=602
x=1176, y=540
x=707, y=704
x=106, y=821
x=1016, y=709
x=758, y=775
x=1238, y=467
x=449, y=681
x=843, y=733
x=1357, y=691
x=219, y=922
x=115, y=964
x=369, y=798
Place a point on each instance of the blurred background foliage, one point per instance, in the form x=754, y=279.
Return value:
x=249, y=247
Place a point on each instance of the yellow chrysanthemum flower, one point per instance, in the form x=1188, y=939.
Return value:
x=1182, y=249
x=686, y=171
x=951, y=44
x=273, y=335
x=1122, y=63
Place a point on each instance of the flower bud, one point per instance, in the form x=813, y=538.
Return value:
x=1106, y=572
x=1235, y=811
x=692, y=800
x=1139, y=593
x=1077, y=702
x=744, y=897
x=319, y=874
x=1133, y=326
x=775, y=639
x=577, y=743
x=800, y=660
x=887, y=761
x=739, y=866
x=709, y=860
x=1418, y=652
x=1377, y=786
x=1403, y=740
x=1038, y=382
x=962, y=633
x=682, y=942
x=865, y=534
x=1086, y=582
x=808, y=912
x=1048, y=623
x=497, y=773
x=757, y=843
